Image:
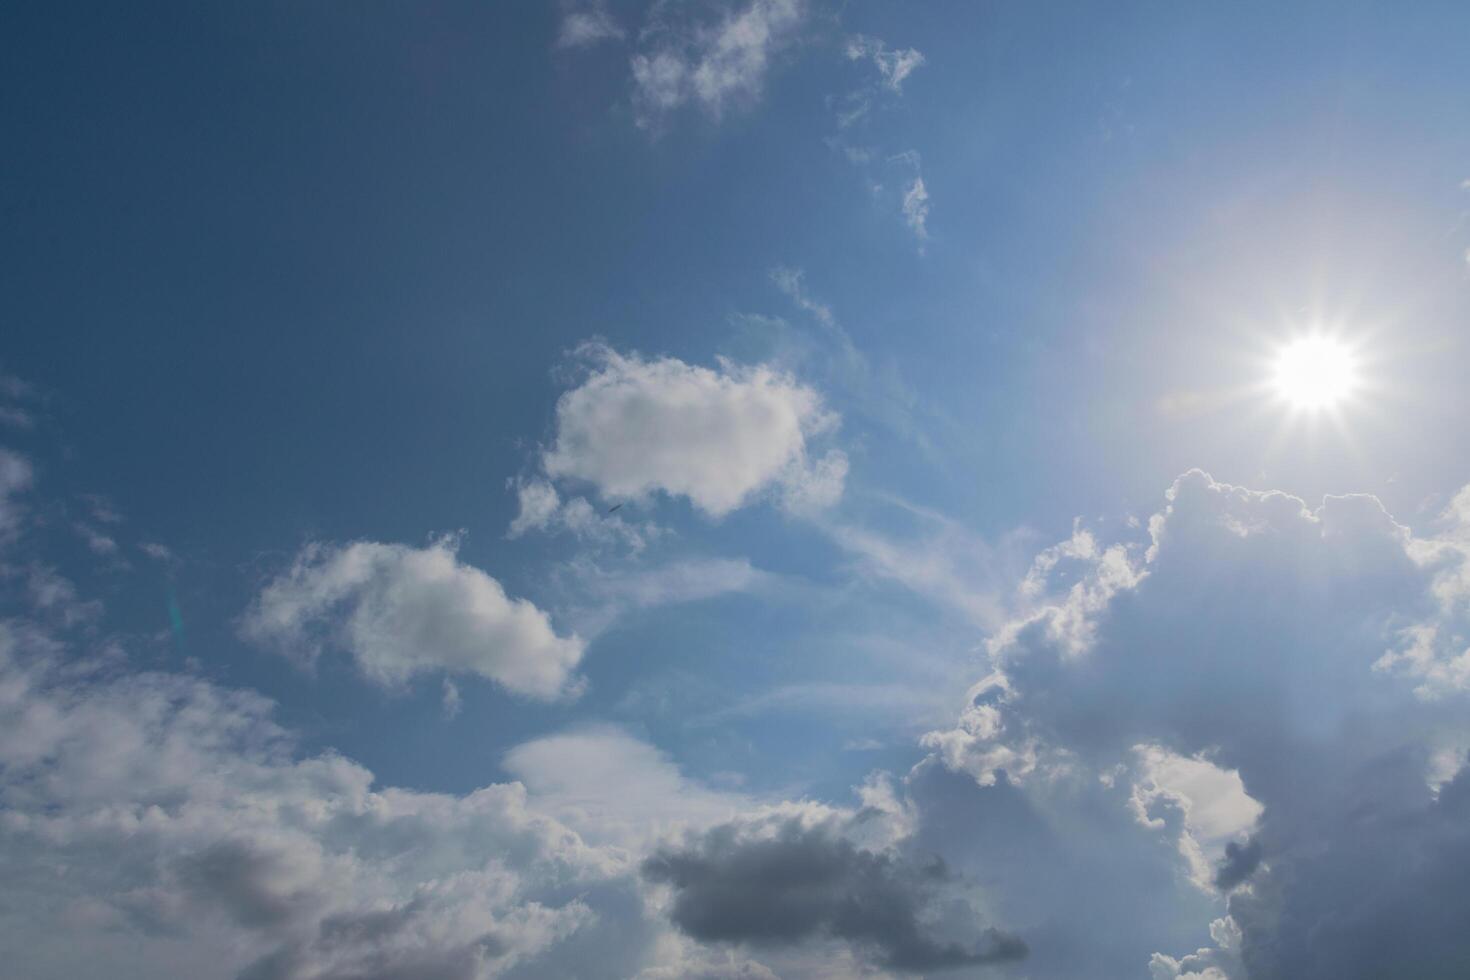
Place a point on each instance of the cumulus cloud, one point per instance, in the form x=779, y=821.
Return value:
x=168, y=826
x=1218, y=680
x=718, y=437
x=400, y=611
x=786, y=881
x=1215, y=812
x=710, y=65
x=165, y=826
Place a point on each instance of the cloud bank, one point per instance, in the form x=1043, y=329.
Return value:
x=1233, y=680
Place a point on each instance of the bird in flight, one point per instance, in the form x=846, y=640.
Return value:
x=614, y=507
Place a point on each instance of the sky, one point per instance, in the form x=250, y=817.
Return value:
x=734, y=489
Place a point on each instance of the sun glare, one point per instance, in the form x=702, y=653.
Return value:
x=1314, y=373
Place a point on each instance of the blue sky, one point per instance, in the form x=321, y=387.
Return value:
x=486, y=488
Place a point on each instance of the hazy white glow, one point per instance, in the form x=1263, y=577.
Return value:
x=1314, y=372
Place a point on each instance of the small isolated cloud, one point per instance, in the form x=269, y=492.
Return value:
x=709, y=65
x=894, y=64
x=718, y=437
x=97, y=542
x=156, y=551
x=916, y=210
x=586, y=23
x=15, y=391
x=792, y=282
x=15, y=478
x=451, y=699
x=401, y=611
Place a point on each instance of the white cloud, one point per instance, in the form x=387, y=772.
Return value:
x=817, y=487
x=1212, y=804
x=709, y=65
x=168, y=827
x=1218, y=962
x=156, y=551
x=916, y=209
x=15, y=478
x=894, y=64
x=451, y=699
x=97, y=542
x=400, y=611
x=792, y=282
x=542, y=509
x=600, y=594
x=53, y=595
x=585, y=23
x=164, y=826
x=539, y=504
x=940, y=561
x=613, y=789
x=721, y=437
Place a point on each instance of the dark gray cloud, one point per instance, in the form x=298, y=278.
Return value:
x=806, y=882
x=1239, y=863
x=1372, y=879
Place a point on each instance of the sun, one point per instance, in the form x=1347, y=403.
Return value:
x=1315, y=373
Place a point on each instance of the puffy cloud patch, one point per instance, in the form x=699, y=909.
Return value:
x=710, y=65
x=400, y=611
x=167, y=826
x=164, y=825
x=637, y=426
